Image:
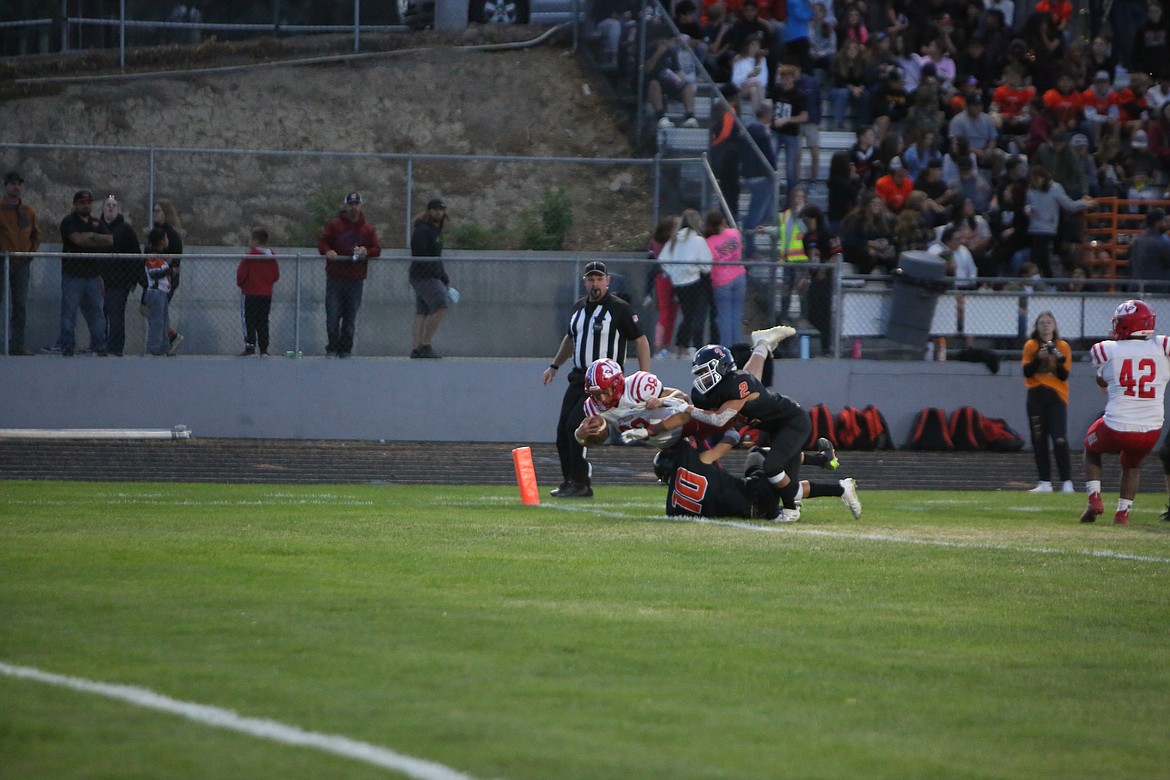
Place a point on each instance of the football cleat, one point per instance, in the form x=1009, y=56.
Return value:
x=1042, y=487
x=770, y=338
x=849, y=497
x=787, y=516
x=572, y=490
x=825, y=447
x=1068, y=487
x=1094, y=509
x=1121, y=517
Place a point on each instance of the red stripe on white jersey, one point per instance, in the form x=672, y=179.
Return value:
x=1098, y=353
x=641, y=386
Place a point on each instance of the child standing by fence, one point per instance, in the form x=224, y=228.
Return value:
x=255, y=276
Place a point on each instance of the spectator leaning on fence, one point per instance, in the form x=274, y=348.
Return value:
x=166, y=216
x=347, y=241
x=120, y=275
x=19, y=232
x=685, y=258
x=81, y=281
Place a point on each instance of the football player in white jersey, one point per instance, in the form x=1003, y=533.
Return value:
x=1133, y=367
x=620, y=403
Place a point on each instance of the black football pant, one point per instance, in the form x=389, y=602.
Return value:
x=574, y=467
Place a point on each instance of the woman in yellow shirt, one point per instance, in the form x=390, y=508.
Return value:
x=1047, y=362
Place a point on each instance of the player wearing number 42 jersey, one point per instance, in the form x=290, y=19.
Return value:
x=1133, y=367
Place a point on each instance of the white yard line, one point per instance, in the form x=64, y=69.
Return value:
x=870, y=537
x=255, y=727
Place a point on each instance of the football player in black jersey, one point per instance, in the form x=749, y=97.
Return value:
x=698, y=485
x=722, y=393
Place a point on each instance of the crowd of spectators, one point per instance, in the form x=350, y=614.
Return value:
x=1001, y=119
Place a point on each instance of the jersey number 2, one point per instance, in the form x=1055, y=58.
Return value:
x=1143, y=383
x=689, y=490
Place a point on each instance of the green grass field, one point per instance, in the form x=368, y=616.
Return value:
x=945, y=635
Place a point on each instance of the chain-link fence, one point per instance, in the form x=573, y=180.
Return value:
x=512, y=306
x=268, y=186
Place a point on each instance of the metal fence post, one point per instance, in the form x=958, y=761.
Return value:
x=657, y=207
x=409, y=194
x=7, y=307
x=122, y=36
x=297, y=307
x=357, y=26
x=150, y=179
x=838, y=310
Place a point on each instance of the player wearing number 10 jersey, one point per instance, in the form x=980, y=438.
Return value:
x=1133, y=367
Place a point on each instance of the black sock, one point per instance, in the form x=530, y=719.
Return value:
x=819, y=489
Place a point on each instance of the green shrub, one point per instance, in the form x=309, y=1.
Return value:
x=547, y=228
x=322, y=205
x=472, y=235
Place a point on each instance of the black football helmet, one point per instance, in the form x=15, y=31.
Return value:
x=711, y=364
x=665, y=464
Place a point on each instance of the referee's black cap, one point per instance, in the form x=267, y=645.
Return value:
x=596, y=267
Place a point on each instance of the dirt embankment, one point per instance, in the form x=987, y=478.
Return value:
x=424, y=93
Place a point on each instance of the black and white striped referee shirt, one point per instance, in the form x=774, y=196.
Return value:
x=602, y=330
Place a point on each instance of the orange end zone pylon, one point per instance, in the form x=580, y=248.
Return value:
x=526, y=475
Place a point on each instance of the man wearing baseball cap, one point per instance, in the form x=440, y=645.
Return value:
x=18, y=233
x=81, y=282
x=347, y=241
x=601, y=326
x=428, y=278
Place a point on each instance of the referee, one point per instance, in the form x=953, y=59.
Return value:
x=600, y=326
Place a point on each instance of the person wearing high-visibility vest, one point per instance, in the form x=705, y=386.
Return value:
x=791, y=252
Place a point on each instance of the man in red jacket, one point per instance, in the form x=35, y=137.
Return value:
x=347, y=241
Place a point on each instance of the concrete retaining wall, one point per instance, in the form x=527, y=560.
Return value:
x=461, y=399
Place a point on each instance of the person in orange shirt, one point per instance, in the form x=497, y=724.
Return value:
x=1047, y=360
x=895, y=187
x=1011, y=102
x=1065, y=103
x=1100, y=105
x=1061, y=13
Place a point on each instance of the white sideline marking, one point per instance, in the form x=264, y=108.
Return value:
x=256, y=727
x=871, y=537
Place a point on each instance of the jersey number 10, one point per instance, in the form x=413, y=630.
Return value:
x=689, y=490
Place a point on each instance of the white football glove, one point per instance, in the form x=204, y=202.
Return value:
x=635, y=435
x=676, y=405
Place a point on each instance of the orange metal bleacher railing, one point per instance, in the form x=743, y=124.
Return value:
x=1109, y=228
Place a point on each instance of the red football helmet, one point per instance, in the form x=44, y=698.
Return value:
x=602, y=375
x=1133, y=320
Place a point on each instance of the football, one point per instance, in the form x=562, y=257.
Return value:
x=593, y=430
